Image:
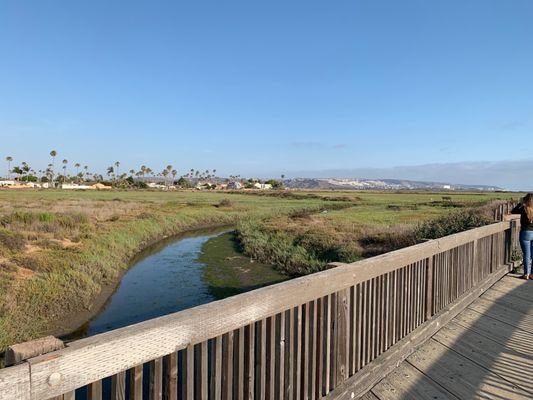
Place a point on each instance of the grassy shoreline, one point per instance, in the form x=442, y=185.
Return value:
x=58, y=250
x=228, y=271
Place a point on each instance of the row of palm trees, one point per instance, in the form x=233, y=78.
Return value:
x=25, y=173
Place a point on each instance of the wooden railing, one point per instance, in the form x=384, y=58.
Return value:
x=331, y=334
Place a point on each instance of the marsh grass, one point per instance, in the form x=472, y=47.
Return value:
x=58, y=248
x=304, y=243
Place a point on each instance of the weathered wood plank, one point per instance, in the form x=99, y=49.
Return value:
x=496, y=330
x=156, y=379
x=516, y=287
x=240, y=365
x=369, y=375
x=406, y=382
x=227, y=366
x=460, y=376
x=216, y=380
x=171, y=376
x=507, y=361
x=15, y=382
x=115, y=351
x=249, y=370
x=369, y=396
x=118, y=386
x=22, y=351
x=281, y=343
x=136, y=382
x=202, y=373
x=341, y=340
x=94, y=391
x=504, y=314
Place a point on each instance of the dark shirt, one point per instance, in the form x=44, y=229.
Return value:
x=525, y=224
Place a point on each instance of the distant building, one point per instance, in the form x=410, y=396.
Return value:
x=153, y=185
x=75, y=186
x=262, y=186
x=234, y=185
x=6, y=183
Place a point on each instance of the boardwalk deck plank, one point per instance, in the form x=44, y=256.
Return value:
x=406, y=382
x=462, y=377
x=504, y=314
x=482, y=353
x=507, y=361
x=500, y=332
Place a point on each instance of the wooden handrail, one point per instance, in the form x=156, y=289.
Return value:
x=334, y=293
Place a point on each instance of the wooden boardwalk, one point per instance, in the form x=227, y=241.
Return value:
x=485, y=352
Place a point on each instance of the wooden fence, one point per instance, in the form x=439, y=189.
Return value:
x=328, y=335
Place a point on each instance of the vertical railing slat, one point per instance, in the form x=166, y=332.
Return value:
x=170, y=363
x=118, y=386
x=156, y=379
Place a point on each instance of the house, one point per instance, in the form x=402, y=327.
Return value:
x=153, y=185
x=5, y=183
x=262, y=186
x=234, y=185
x=75, y=186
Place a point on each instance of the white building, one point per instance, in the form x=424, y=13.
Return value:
x=5, y=183
x=234, y=185
x=75, y=186
x=262, y=186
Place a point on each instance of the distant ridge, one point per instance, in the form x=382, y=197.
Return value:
x=379, y=184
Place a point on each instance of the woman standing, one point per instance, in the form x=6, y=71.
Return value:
x=525, y=209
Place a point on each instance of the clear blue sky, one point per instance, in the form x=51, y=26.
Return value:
x=261, y=88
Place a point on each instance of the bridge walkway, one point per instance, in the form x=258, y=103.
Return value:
x=485, y=352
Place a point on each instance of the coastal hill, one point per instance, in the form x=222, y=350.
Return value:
x=379, y=184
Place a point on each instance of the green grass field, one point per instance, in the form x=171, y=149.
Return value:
x=59, y=248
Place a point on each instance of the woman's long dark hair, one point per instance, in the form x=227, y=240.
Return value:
x=528, y=206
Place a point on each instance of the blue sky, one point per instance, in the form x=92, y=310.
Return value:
x=264, y=88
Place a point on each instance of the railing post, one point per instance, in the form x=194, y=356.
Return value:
x=512, y=240
x=429, y=287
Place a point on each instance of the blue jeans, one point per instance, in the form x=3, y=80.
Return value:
x=526, y=243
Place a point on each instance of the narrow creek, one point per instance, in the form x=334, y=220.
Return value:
x=170, y=276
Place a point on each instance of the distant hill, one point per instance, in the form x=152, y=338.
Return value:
x=378, y=184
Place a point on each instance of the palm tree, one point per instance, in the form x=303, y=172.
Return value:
x=53, y=154
x=143, y=170
x=174, y=173
x=65, y=162
x=110, y=172
x=117, y=164
x=86, y=173
x=9, y=159
x=25, y=168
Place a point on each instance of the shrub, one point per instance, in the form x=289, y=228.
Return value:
x=11, y=241
x=451, y=223
x=225, y=203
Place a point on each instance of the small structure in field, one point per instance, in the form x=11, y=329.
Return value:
x=7, y=183
x=76, y=186
x=154, y=185
x=262, y=186
x=234, y=185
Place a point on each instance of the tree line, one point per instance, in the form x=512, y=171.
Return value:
x=64, y=173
